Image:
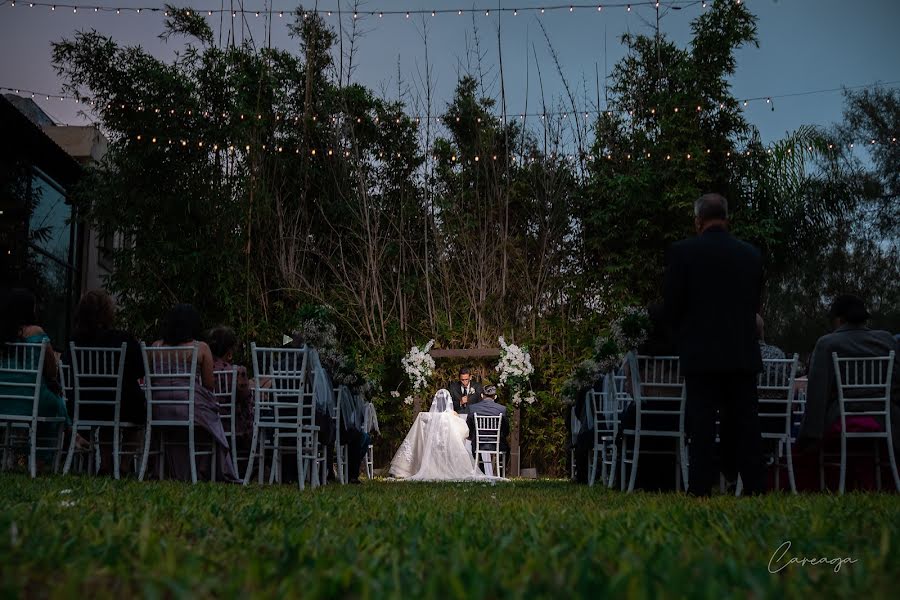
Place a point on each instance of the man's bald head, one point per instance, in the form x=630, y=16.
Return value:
x=710, y=209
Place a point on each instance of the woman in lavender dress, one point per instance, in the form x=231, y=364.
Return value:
x=182, y=328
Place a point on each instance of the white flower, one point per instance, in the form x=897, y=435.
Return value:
x=408, y=400
x=67, y=503
x=64, y=492
x=395, y=394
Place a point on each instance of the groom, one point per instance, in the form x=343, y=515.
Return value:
x=464, y=392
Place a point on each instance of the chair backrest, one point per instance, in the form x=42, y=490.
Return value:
x=606, y=406
x=775, y=389
x=864, y=385
x=97, y=375
x=226, y=395
x=487, y=433
x=21, y=373
x=284, y=387
x=66, y=381
x=169, y=376
x=657, y=387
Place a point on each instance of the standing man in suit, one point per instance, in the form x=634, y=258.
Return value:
x=713, y=284
x=488, y=407
x=464, y=391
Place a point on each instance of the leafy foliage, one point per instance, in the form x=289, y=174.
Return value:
x=267, y=182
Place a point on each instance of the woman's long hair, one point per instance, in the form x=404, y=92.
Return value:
x=95, y=312
x=181, y=325
x=17, y=310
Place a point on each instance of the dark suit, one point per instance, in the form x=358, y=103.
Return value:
x=713, y=285
x=489, y=408
x=456, y=392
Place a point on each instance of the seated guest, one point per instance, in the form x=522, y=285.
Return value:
x=182, y=328
x=94, y=320
x=766, y=350
x=18, y=324
x=851, y=338
x=222, y=343
x=489, y=407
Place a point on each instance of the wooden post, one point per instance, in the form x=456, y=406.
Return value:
x=514, y=456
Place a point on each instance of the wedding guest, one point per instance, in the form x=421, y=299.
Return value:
x=18, y=324
x=488, y=406
x=851, y=337
x=713, y=286
x=94, y=328
x=464, y=391
x=182, y=328
x=766, y=351
x=222, y=343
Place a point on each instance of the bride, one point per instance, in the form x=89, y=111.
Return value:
x=435, y=448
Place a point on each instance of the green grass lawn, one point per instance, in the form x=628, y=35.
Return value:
x=75, y=536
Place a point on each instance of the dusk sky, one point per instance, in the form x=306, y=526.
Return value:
x=805, y=45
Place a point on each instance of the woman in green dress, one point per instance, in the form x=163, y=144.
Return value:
x=17, y=324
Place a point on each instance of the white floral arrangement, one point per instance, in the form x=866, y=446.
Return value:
x=418, y=366
x=628, y=331
x=514, y=370
x=584, y=376
x=631, y=329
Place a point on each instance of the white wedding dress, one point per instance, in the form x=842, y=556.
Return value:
x=435, y=447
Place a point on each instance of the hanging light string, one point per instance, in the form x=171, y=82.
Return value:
x=407, y=13
x=586, y=113
x=347, y=151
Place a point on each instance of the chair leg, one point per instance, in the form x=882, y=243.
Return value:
x=314, y=480
x=822, y=467
x=613, y=466
x=877, y=464
x=98, y=458
x=843, y=464
x=161, y=466
x=622, y=462
x=893, y=458
x=146, y=453
x=32, y=454
x=116, y=447
x=593, y=466
x=634, y=462
x=275, y=474
x=249, y=472
x=262, y=460
x=57, y=455
x=71, y=452
x=213, y=461
x=192, y=451
x=790, y=467
x=604, y=450
x=685, y=462
x=301, y=464
x=340, y=463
